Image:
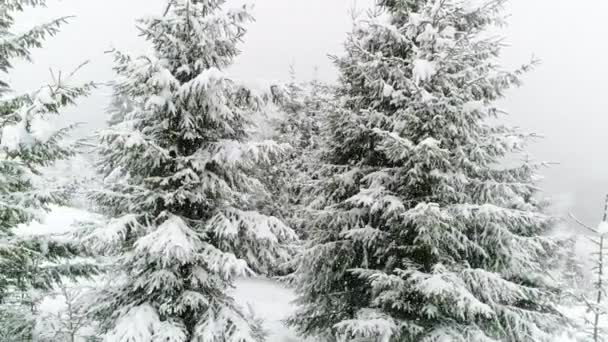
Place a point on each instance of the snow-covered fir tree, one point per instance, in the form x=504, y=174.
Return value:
x=29, y=265
x=119, y=107
x=595, y=299
x=65, y=317
x=422, y=229
x=179, y=184
x=570, y=268
x=303, y=106
x=295, y=124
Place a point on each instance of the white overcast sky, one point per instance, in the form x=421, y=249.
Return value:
x=564, y=100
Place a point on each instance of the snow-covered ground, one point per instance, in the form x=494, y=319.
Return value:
x=271, y=302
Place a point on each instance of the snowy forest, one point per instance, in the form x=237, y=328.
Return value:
x=397, y=203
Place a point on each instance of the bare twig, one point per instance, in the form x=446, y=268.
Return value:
x=82, y=65
x=168, y=8
x=582, y=224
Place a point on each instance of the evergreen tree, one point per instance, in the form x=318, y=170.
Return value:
x=319, y=101
x=29, y=265
x=67, y=320
x=595, y=303
x=568, y=267
x=421, y=229
x=180, y=186
x=293, y=126
x=303, y=106
x=119, y=108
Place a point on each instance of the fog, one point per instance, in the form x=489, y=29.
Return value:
x=563, y=99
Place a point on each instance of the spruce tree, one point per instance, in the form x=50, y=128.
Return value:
x=422, y=229
x=30, y=266
x=181, y=187
x=303, y=106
